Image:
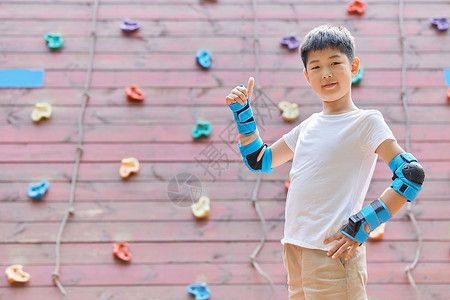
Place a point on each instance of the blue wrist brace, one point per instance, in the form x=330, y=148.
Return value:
x=243, y=116
x=373, y=214
x=408, y=175
x=250, y=154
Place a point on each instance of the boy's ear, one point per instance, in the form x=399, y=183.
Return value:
x=355, y=66
x=306, y=76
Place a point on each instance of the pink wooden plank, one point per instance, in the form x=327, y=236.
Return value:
x=374, y=291
x=151, y=29
x=59, y=172
x=175, y=61
x=145, y=114
x=181, y=133
x=189, y=231
x=160, y=152
x=168, y=292
x=135, y=190
x=220, y=211
x=204, y=252
x=374, y=78
x=183, y=274
x=367, y=97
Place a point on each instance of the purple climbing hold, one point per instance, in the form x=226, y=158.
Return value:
x=440, y=23
x=292, y=42
x=128, y=26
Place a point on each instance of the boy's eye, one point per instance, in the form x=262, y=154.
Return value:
x=335, y=63
x=316, y=67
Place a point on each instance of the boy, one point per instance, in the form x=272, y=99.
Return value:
x=334, y=154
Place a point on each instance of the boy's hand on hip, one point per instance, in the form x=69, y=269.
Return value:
x=343, y=243
x=240, y=94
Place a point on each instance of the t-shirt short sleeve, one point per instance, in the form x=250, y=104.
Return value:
x=375, y=131
x=291, y=137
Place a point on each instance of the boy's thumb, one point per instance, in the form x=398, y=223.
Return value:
x=251, y=83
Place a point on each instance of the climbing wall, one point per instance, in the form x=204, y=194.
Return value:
x=150, y=210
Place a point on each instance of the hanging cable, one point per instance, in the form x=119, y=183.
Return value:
x=70, y=210
x=409, y=212
x=255, y=203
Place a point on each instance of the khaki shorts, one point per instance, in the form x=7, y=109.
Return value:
x=313, y=275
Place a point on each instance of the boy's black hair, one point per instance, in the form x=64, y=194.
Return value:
x=328, y=36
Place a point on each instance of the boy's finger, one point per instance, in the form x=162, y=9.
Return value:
x=251, y=83
x=242, y=90
x=333, y=238
x=350, y=253
x=241, y=95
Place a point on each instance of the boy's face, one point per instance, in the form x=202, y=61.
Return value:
x=329, y=72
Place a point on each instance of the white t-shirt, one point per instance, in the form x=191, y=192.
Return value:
x=333, y=164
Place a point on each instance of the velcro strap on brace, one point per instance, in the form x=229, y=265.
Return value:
x=250, y=153
x=408, y=175
x=243, y=116
x=373, y=214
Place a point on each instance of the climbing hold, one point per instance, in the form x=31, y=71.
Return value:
x=128, y=26
x=134, y=93
x=447, y=81
x=203, y=128
x=291, y=42
x=287, y=184
x=204, y=58
x=202, y=208
x=121, y=250
x=289, y=110
x=200, y=291
x=41, y=110
x=440, y=23
x=378, y=233
x=37, y=191
x=129, y=165
x=356, y=80
x=54, y=40
x=16, y=274
x=356, y=7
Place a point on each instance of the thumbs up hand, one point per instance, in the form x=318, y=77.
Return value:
x=240, y=94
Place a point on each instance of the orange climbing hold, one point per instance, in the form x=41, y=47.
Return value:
x=378, y=233
x=121, y=251
x=356, y=7
x=129, y=165
x=134, y=93
x=15, y=274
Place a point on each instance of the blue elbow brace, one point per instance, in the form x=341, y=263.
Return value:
x=243, y=116
x=408, y=175
x=373, y=214
x=250, y=155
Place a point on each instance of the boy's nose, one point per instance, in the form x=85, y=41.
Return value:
x=327, y=75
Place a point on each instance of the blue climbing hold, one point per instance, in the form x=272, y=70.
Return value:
x=200, y=291
x=357, y=79
x=203, y=128
x=37, y=191
x=204, y=58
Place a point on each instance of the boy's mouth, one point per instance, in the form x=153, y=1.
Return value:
x=329, y=85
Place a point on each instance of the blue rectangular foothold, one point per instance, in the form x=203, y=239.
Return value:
x=447, y=76
x=21, y=78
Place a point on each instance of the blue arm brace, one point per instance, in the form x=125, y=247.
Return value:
x=243, y=116
x=408, y=175
x=250, y=154
x=373, y=214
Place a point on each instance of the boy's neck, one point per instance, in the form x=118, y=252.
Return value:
x=340, y=106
